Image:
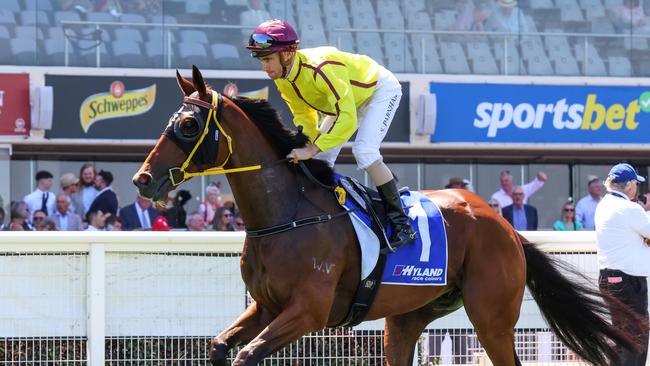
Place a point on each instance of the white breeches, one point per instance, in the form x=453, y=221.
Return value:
x=374, y=118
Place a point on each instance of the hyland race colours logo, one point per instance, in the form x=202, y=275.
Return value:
x=117, y=103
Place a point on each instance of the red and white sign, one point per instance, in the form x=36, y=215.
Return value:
x=14, y=104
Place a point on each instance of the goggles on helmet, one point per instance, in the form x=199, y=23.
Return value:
x=264, y=41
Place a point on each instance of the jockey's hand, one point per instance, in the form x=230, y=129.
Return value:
x=303, y=153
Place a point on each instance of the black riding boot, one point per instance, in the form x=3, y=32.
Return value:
x=403, y=233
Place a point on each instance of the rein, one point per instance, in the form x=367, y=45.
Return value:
x=178, y=175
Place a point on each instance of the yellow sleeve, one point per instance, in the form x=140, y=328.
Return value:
x=303, y=115
x=333, y=80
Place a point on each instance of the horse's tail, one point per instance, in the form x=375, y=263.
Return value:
x=576, y=313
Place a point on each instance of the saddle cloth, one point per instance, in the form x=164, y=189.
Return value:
x=421, y=263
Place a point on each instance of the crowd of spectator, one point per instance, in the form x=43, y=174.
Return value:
x=88, y=202
x=510, y=201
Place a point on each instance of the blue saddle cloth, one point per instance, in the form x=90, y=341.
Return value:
x=423, y=262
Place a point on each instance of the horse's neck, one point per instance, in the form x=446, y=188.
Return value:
x=265, y=197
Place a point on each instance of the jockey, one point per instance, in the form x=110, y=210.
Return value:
x=352, y=91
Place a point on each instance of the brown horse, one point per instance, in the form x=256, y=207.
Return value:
x=304, y=279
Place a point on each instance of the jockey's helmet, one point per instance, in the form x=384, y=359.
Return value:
x=272, y=36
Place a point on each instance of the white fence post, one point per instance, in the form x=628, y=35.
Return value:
x=96, y=304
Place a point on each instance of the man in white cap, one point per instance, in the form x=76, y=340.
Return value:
x=70, y=186
x=507, y=17
x=622, y=230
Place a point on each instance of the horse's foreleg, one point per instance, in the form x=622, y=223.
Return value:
x=247, y=327
x=287, y=327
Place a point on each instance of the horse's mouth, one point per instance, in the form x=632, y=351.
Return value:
x=157, y=192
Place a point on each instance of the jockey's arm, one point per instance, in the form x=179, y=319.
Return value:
x=303, y=116
x=335, y=83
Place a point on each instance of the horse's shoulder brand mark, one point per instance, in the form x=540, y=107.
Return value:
x=322, y=266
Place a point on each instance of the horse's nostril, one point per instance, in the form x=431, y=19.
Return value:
x=144, y=179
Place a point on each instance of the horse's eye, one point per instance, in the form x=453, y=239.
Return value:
x=189, y=127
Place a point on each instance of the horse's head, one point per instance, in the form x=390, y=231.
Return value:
x=190, y=144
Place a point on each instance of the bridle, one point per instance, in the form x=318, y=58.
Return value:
x=178, y=175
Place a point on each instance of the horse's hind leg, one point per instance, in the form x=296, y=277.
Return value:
x=247, y=327
x=494, y=309
x=401, y=333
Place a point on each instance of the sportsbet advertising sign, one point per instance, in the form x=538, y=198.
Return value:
x=541, y=113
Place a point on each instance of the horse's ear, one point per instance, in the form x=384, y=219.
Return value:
x=186, y=86
x=199, y=84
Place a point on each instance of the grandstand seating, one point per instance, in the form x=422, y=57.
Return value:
x=319, y=23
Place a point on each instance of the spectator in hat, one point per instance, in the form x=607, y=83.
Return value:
x=622, y=233
x=506, y=17
x=586, y=207
x=70, y=186
x=64, y=218
x=41, y=199
x=176, y=215
x=457, y=182
x=160, y=224
x=106, y=199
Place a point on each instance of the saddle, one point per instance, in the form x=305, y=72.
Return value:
x=368, y=201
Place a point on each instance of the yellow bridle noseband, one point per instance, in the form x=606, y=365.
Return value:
x=178, y=175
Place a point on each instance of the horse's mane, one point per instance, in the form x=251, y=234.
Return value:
x=268, y=119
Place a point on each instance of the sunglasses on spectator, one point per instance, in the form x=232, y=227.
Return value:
x=494, y=204
x=239, y=223
x=569, y=209
x=38, y=218
x=227, y=215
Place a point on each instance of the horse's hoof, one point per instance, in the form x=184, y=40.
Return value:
x=217, y=353
x=244, y=358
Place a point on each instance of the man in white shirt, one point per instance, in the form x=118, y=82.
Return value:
x=504, y=195
x=622, y=228
x=41, y=199
x=586, y=207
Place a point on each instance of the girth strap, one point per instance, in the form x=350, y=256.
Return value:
x=293, y=224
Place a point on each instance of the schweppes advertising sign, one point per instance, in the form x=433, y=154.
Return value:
x=121, y=107
x=117, y=103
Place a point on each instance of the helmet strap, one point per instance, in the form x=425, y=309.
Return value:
x=289, y=62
